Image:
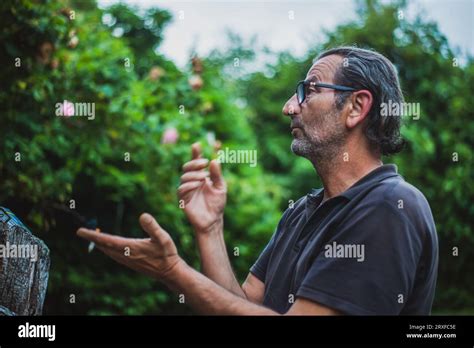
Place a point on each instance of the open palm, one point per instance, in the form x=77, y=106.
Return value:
x=155, y=256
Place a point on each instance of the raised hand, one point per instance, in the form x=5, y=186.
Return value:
x=204, y=192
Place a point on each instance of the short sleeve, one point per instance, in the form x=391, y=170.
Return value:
x=259, y=268
x=368, y=266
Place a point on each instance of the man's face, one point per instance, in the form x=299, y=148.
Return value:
x=317, y=126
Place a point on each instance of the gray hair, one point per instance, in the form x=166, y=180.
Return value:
x=367, y=69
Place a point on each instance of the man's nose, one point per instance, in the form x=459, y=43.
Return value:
x=291, y=107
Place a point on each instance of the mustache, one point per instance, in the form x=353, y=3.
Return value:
x=296, y=123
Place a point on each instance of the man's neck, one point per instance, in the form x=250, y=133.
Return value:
x=339, y=173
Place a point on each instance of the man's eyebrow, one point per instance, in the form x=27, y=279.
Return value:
x=313, y=78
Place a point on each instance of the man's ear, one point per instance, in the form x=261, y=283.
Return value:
x=361, y=102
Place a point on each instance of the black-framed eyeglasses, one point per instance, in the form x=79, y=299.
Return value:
x=301, y=88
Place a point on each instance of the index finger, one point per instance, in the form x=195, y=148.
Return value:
x=195, y=164
x=104, y=239
x=196, y=150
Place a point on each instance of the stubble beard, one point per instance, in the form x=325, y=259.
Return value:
x=323, y=147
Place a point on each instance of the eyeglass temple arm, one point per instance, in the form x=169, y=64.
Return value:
x=336, y=87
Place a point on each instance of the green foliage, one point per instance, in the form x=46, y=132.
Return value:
x=75, y=158
x=111, y=57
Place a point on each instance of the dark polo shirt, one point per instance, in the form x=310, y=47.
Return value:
x=372, y=250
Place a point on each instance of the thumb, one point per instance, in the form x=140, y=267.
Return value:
x=153, y=229
x=215, y=172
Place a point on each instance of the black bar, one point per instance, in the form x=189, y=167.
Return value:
x=138, y=330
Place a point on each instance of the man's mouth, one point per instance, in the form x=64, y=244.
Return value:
x=295, y=127
x=295, y=124
x=295, y=130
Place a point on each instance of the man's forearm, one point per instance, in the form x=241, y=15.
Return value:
x=215, y=261
x=207, y=297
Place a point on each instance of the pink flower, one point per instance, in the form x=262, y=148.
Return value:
x=170, y=136
x=155, y=73
x=67, y=108
x=195, y=82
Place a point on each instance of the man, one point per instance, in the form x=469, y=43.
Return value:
x=364, y=244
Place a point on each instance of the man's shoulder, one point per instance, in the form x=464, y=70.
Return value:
x=400, y=193
x=406, y=201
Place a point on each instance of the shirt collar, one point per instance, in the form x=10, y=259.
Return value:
x=377, y=175
x=381, y=173
x=314, y=198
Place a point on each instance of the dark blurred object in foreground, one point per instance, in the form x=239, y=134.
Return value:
x=24, y=268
